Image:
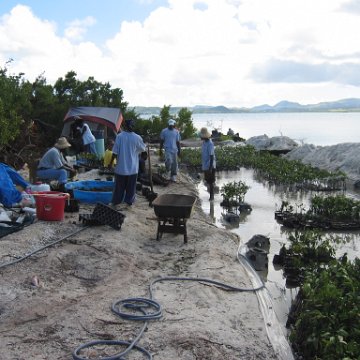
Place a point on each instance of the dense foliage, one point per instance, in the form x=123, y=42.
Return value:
x=150, y=128
x=274, y=169
x=14, y=105
x=327, y=318
x=325, y=212
x=338, y=207
x=31, y=114
x=324, y=319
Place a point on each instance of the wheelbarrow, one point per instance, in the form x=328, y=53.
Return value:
x=172, y=211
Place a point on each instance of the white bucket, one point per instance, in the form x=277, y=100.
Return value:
x=38, y=186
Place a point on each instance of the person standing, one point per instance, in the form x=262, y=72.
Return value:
x=88, y=139
x=208, y=160
x=53, y=166
x=170, y=141
x=108, y=153
x=127, y=147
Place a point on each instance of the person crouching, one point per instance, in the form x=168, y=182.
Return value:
x=53, y=166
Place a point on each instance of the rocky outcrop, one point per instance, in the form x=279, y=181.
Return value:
x=344, y=157
x=275, y=143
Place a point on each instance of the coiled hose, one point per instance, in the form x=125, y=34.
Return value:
x=149, y=309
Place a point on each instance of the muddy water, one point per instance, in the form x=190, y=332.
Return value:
x=264, y=200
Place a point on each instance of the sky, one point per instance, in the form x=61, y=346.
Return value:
x=236, y=53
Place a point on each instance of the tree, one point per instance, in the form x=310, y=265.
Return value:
x=185, y=124
x=38, y=108
x=14, y=105
x=151, y=128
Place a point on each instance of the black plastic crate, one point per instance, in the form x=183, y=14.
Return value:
x=87, y=219
x=106, y=215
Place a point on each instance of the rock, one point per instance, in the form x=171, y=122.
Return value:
x=275, y=143
x=260, y=142
x=341, y=157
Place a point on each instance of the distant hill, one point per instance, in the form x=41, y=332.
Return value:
x=344, y=105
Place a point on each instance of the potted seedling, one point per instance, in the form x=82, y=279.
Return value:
x=233, y=194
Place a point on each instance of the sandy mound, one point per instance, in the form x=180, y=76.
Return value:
x=79, y=278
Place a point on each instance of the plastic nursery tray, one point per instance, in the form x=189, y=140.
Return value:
x=87, y=219
x=106, y=215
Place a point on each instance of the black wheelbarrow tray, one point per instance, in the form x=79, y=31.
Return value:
x=172, y=211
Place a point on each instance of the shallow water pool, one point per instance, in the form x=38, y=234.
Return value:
x=265, y=200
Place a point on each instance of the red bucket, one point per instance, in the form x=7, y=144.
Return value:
x=50, y=205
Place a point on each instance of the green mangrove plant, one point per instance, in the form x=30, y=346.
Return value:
x=233, y=193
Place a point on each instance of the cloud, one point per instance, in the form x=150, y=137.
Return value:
x=77, y=28
x=352, y=7
x=276, y=71
x=230, y=52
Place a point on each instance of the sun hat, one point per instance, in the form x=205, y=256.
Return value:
x=62, y=143
x=204, y=133
x=171, y=122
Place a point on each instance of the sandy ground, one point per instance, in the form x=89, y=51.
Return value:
x=79, y=278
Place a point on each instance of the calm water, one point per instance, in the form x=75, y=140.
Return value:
x=264, y=200
x=312, y=128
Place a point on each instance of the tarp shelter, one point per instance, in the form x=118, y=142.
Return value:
x=95, y=117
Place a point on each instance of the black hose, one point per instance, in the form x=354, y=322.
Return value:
x=42, y=248
x=150, y=310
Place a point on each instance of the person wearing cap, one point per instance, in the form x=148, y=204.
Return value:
x=53, y=166
x=88, y=139
x=127, y=147
x=170, y=141
x=208, y=161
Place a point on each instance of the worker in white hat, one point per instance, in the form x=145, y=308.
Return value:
x=208, y=160
x=170, y=141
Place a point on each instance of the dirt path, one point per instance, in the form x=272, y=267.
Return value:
x=82, y=276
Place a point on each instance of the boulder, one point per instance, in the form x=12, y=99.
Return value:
x=344, y=157
x=275, y=143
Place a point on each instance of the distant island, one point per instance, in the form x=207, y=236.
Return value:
x=344, y=105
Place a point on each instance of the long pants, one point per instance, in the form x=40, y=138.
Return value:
x=171, y=162
x=53, y=174
x=124, y=189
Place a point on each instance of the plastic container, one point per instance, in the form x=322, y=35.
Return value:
x=29, y=210
x=99, y=134
x=85, y=191
x=39, y=186
x=100, y=148
x=50, y=205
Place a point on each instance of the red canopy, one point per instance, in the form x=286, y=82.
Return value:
x=110, y=117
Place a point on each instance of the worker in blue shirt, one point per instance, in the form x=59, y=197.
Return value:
x=127, y=147
x=170, y=141
x=208, y=160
